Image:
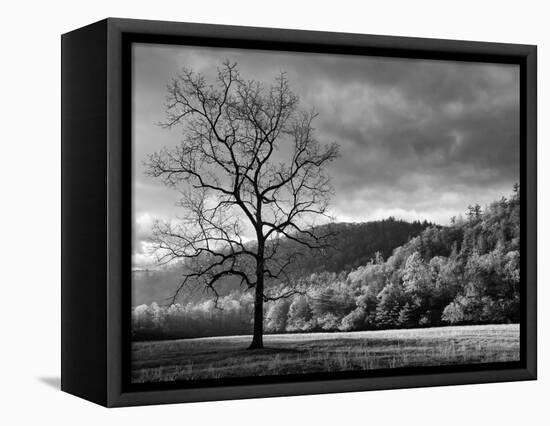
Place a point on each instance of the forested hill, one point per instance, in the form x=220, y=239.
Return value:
x=351, y=245
x=465, y=273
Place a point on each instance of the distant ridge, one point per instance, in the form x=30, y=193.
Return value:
x=352, y=245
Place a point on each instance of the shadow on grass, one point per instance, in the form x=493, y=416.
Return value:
x=270, y=350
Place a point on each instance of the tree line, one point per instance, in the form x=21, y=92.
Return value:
x=465, y=273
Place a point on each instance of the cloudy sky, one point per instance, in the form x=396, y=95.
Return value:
x=419, y=139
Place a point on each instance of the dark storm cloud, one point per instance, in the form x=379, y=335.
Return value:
x=418, y=139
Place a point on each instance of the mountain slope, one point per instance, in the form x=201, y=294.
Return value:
x=466, y=273
x=351, y=245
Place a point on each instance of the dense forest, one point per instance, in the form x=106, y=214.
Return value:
x=384, y=274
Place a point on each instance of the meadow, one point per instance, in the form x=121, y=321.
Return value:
x=224, y=357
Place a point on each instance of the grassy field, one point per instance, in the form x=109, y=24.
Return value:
x=220, y=357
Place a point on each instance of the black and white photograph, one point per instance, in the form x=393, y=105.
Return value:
x=297, y=213
x=290, y=213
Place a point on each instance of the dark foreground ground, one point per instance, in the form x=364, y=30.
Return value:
x=220, y=357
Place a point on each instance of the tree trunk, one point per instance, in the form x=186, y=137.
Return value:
x=258, y=336
x=257, y=339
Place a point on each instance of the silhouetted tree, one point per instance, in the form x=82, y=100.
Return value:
x=232, y=176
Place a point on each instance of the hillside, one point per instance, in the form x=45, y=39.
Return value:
x=351, y=245
x=354, y=244
x=465, y=273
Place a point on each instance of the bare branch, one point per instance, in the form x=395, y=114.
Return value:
x=232, y=184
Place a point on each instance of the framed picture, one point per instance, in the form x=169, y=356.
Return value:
x=252, y=212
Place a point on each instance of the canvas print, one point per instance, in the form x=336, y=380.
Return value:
x=297, y=213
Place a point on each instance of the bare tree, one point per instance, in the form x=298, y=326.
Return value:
x=248, y=164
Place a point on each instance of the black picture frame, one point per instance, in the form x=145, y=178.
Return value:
x=96, y=209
